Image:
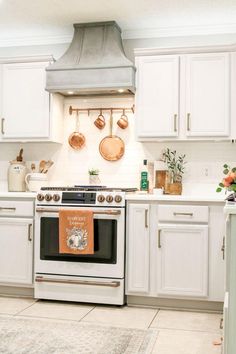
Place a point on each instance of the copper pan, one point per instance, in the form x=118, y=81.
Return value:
x=76, y=139
x=112, y=147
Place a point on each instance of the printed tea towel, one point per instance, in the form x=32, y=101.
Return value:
x=76, y=232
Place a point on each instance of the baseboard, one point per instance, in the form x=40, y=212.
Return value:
x=175, y=304
x=16, y=291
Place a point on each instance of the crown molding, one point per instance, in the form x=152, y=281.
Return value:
x=35, y=40
x=157, y=32
x=185, y=50
x=26, y=59
x=179, y=31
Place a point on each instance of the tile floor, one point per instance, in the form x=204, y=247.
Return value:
x=180, y=332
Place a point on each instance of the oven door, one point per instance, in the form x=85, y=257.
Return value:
x=109, y=241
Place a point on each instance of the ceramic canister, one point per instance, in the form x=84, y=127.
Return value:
x=16, y=176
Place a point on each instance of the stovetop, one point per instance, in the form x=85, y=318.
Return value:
x=88, y=188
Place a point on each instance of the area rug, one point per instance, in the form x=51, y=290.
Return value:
x=43, y=336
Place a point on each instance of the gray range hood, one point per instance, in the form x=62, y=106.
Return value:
x=95, y=63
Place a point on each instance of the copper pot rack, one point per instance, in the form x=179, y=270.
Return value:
x=100, y=109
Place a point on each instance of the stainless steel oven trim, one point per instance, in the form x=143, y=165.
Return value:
x=108, y=212
x=112, y=284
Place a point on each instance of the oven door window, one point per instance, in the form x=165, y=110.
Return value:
x=105, y=242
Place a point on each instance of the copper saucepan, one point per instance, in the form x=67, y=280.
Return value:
x=112, y=147
x=76, y=139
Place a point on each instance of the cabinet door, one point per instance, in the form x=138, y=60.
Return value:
x=182, y=260
x=157, y=96
x=207, y=95
x=16, y=251
x=25, y=103
x=137, y=249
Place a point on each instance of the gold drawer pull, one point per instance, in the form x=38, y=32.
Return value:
x=146, y=218
x=188, y=122
x=7, y=209
x=159, y=238
x=183, y=214
x=175, y=122
x=30, y=232
x=2, y=125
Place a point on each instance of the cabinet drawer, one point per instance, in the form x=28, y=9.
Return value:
x=16, y=208
x=188, y=213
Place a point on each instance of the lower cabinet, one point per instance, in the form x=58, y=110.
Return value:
x=16, y=245
x=174, y=251
x=229, y=322
x=182, y=260
x=137, y=271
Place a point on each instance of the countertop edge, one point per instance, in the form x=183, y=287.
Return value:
x=173, y=198
x=16, y=195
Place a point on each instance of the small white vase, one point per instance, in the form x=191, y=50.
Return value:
x=94, y=180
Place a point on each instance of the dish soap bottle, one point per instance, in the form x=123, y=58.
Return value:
x=144, y=183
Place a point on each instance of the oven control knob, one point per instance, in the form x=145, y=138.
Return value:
x=48, y=197
x=56, y=197
x=40, y=197
x=109, y=198
x=101, y=198
x=118, y=198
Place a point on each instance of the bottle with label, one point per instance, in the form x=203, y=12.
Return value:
x=144, y=183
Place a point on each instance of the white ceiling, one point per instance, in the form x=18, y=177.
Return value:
x=53, y=19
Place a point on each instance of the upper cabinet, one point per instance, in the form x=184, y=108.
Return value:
x=157, y=98
x=183, y=96
x=28, y=112
x=207, y=95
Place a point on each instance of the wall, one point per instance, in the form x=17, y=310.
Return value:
x=205, y=160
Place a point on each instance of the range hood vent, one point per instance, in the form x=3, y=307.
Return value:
x=95, y=63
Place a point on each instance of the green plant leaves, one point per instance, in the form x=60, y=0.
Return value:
x=218, y=189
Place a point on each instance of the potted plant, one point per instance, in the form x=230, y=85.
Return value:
x=93, y=176
x=229, y=181
x=176, y=166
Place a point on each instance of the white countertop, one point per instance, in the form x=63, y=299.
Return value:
x=176, y=198
x=5, y=194
x=192, y=192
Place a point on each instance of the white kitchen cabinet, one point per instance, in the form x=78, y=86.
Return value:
x=207, y=95
x=137, y=261
x=178, y=256
x=185, y=96
x=157, y=96
x=182, y=267
x=28, y=112
x=229, y=323
x=16, y=245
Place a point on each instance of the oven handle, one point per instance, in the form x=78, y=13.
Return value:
x=108, y=212
x=112, y=284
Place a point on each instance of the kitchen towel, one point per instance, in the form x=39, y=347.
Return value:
x=76, y=234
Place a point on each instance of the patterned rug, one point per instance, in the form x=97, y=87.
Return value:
x=43, y=336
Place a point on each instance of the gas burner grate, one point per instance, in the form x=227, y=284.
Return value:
x=89, y=188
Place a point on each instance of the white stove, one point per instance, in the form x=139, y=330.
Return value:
x=85, y=278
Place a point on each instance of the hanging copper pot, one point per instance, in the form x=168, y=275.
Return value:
x=76, y=139
x=112, y=147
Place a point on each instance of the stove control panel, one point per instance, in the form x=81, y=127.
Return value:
x=80, y=198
